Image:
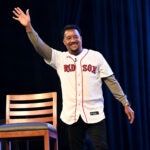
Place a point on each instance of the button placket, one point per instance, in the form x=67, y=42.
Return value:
x=79, y=87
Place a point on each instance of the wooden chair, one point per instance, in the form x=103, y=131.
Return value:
x=30, y=116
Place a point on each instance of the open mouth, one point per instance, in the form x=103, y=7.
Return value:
x=74, y=44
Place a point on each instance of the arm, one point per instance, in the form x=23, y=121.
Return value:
x=24, y=18
x=118, y=93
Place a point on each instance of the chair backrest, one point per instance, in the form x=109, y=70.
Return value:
x=39, y=107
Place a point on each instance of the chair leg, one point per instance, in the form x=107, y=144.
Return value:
x=56, y=144
x=46, y=142
x=7, y=145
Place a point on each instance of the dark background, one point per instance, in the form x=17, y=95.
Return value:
x=119, y=29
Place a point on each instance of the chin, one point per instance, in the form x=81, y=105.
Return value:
x=75, y=50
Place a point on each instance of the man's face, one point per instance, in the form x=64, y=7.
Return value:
x=73, y=41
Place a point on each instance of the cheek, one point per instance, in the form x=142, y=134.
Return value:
x=65, y=44
x=64, y=41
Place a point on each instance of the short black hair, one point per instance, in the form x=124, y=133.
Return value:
x=70, y=26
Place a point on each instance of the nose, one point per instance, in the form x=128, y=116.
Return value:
x=73, y=39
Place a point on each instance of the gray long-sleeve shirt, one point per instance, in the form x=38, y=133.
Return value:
x=46, y=52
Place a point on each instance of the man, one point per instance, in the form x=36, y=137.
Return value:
x=81, y=72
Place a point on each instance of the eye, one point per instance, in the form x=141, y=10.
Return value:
x=76, y=37
x=67, y=38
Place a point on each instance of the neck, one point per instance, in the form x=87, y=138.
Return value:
x=76, y=52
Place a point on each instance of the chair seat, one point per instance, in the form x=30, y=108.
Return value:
x=27, y=126
x=31, y=116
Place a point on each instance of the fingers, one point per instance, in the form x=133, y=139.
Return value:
x=131, y=117
x=17, y=12
x=27, y=12
x=130, y=114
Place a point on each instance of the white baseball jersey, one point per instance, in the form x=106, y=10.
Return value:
x=81, y=84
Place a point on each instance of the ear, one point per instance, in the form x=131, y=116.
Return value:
x=64, y=42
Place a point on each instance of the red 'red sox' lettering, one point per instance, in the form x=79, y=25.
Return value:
x=89, y=68
x=69, y=68
x=72, y=67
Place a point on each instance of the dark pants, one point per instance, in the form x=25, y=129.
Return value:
x=97, y=133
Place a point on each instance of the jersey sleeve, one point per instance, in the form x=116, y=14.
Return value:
x=56, y=59
x=104, y=68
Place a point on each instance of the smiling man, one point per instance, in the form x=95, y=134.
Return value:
x=81, y=73
x=72, y=40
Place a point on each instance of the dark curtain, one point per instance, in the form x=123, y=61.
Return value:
x=119, y=29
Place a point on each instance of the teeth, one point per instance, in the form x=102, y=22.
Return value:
x=73, y=44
